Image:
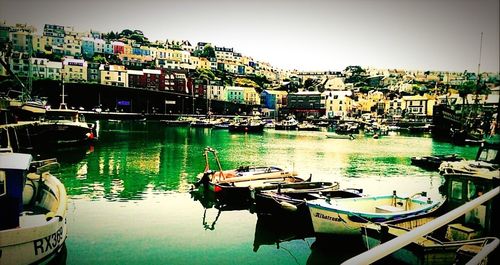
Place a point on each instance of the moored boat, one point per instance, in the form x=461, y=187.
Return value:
x=286, y=196
x=247, y=125
x=62, y=126
x=340, y=136
x=33, y=209
x=306, y=126
x=235, y=184
x=181, y=121
x=289, y=124
x=486, y=162
x=203, y=123
x=434, y=161
x=291, y=202
x=346, y=216
x=471, y=231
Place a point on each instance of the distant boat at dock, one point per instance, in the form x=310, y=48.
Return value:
x=340, y=136
x=434, y=161
x=252, y=124
x=289, y=124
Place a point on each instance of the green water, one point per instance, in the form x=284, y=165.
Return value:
x=129, y=199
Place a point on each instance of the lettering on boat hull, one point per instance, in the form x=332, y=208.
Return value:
x=48, y=243
x=330, y=218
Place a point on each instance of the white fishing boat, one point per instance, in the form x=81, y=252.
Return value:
x=346, y=216
x=33, y=205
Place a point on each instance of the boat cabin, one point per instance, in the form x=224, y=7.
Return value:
x=64, y=115
x=13, y=170
x=462, y=188
x=488, y=152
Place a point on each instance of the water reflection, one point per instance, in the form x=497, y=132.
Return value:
x=129, y=193
x=131, y=158
x=60, y=258
x=334, y=249
x=275, y=230
x=212, y=205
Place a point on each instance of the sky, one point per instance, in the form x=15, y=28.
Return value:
x=312, y=35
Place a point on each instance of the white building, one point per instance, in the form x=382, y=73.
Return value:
x=337, y=103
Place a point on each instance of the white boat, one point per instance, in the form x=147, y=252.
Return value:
x=33, y=207
x=340, y=136
x=346, y=216
x=486, y=163
x=289, y=124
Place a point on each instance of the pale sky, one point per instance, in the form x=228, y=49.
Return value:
x=302, y=35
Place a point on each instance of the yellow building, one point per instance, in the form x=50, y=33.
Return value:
x=418, y=105
x=72, y=46
x=127, y=49
x=114, y=75
x=40, y=44
x=250, y=96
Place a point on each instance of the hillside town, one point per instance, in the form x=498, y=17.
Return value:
x=222, y=158
x=205, y=70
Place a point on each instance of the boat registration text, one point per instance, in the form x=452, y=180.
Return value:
x=49, y=242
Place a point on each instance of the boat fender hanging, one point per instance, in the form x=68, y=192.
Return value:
x=288, y=206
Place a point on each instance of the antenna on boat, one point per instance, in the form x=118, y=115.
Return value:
x=480, y=53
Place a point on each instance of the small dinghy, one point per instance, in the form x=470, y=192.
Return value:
x=235, y=184
x=346, y=216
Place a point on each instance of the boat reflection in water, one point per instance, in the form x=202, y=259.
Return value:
x=276, y=229
x=334, y=249
x=209, y=200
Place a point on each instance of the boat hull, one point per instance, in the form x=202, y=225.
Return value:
x=43, y=244
x=246, y=128
x=47, y=134
x=41, y=230
x=346, y=217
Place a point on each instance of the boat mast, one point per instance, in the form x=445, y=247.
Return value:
x=478, y=82
x=63, y=104
x=26, y=95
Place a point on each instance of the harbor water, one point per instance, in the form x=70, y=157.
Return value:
x=130, y=201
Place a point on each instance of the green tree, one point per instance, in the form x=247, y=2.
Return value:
x=208, y=52
x=245, y=82
x=358, y=75
x=310, y=84
x=98, y=59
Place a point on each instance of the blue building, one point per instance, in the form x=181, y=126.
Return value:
x=145, y=51
x=241, y=69
x=88, y=48
x=136, y=51
x=273, y=99
x=108, y=48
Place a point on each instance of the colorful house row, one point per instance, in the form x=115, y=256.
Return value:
x=170, y=54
